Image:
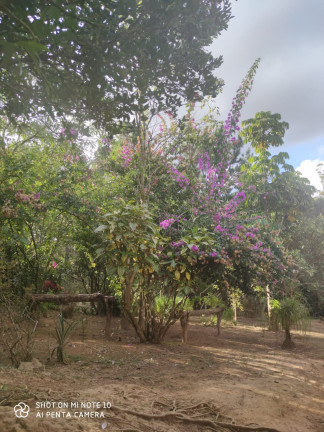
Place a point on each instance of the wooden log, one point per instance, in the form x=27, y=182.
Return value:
x=71, y=298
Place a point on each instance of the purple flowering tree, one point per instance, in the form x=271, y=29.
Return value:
x=242, y=240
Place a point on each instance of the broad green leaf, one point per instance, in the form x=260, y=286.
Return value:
x=120, y=271
x=100, y=228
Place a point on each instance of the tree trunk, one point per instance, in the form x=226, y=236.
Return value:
x=108, y=319
x=219, y=319
x=268, y=304
x=235, y=312
x=184, y=321
x=288, y=342
x=134, y=321
x=273, y=324
x=127, y=301
x=141, y=314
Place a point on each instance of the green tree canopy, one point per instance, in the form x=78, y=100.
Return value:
x=264, y=130
x=107, y=59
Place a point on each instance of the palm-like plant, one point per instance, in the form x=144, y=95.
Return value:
x=291, y=312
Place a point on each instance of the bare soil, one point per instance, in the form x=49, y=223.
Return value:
x=242, y=377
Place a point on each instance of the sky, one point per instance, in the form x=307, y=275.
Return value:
x=288, y=36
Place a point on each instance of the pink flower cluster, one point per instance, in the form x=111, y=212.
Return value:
x=179, y=177
x=166, y=223
x=127, y=155
x=203, y=162
x=64, y=131
x=21, y=196
x=70, y=158
x=231, y=123
x=178, y=243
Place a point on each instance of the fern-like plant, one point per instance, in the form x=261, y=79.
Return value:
x=164, y=305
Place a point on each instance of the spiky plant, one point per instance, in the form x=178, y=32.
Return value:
x=63, y=329
x=291, y=312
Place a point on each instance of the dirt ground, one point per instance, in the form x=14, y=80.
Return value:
x=242, y=377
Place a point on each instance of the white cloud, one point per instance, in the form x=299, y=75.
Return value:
x=308, y=169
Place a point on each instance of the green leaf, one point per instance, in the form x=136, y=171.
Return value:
x=120, y=271
x=99, y=252
x=100, y=228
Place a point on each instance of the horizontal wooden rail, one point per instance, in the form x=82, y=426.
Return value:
x=71, y=298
